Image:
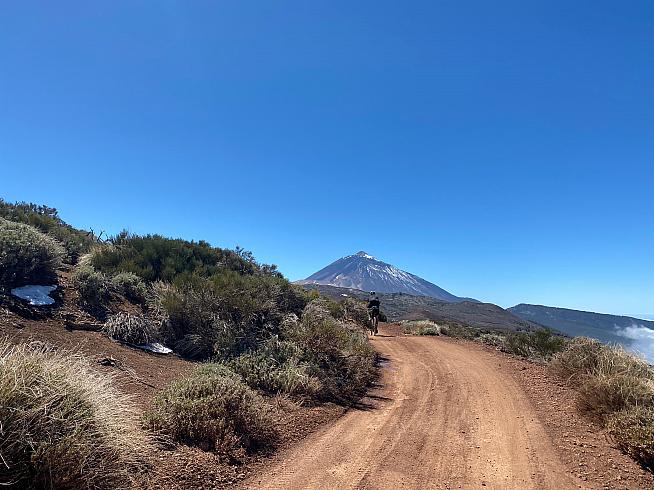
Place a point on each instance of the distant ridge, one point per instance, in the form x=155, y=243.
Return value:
x=607, y=328
x=364, y=272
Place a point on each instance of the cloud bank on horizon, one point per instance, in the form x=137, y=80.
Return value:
x=642, y=340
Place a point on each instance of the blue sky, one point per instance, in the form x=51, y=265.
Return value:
x=503, y=150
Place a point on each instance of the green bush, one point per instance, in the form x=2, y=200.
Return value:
x=63, y=425
x=340, y=358
x=214, y=410
x=278, y=367
x=27, y=256
x=541, y=344
x=94, y=289
x=133, y=329
x=225, y=315
x=460, y=331
x=46, y=220
x=131, y=286
x=633, y=430
x=356, y=311
x=157, y=258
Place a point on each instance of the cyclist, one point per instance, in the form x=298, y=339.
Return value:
x=373, y=311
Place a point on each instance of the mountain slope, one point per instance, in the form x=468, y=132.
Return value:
x=399, y=306
x=362, y=271
x=607, y=328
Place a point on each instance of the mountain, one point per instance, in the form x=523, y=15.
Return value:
x=364, y=272
x=630, y=332
x=400, y=306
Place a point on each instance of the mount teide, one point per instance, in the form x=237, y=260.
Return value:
x=362, y=271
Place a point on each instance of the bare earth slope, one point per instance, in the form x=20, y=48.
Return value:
x=446, y=417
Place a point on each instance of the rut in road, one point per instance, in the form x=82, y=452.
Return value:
x=444, y=417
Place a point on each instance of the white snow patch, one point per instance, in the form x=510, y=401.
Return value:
x=155, y=347
x=36, y=295
x=642, y=339
x=343, y=294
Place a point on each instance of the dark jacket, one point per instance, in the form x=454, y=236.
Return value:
x=374, y=304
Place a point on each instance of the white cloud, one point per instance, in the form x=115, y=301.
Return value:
x=642, y=340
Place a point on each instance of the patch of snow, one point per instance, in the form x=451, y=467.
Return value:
x=343, y=294
x=155, y=347
x=36, y=295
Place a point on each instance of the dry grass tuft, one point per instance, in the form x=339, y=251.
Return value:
x=63, y=425
x=616, y=388
x=421, y=327
x=133, y=329
x=633, y=429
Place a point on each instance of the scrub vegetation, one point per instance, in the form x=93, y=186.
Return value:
x=27, y=256
x=255, y=335
x=63, y=425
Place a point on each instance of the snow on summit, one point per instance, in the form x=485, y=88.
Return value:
x=363, y=271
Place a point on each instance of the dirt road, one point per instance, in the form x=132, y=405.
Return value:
x=443, y=417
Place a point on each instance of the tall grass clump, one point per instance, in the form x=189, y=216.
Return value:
x=614, y=387
x=133, y=329
x=421, y=327
x=541, y=344
x=633, y=430
x=27, y=256
x=63, y=425
x=214, y=410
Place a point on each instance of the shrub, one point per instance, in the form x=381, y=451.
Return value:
x=157, y=258
x=541, y=344
x=615, y=387
x=226, y=315
x=633, y=430
x=421, y=327
x=46, y=220
x=604, y=394
x=131, y=286
x=93, y=288
x=133, y=329
x=277, y=367
x=583, y=357
x=27, y=256
x=214, y=410
x=339, y=357
x=355, y=311
x=63, y=425
x=460, y=331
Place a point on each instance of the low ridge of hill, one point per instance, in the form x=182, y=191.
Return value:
x=623, y=330
x=399, y=306
x=363, y=271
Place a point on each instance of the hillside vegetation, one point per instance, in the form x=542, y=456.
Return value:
x=255, y=335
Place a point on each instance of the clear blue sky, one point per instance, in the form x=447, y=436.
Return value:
x=503, y=150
